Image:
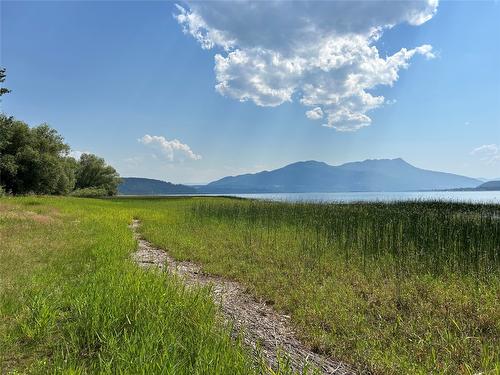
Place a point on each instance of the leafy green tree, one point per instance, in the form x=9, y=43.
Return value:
x=93, y=172
x=3, y=90
x=66, y=177
x=34, y=160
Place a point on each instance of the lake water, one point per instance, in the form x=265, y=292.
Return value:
x=453, y=196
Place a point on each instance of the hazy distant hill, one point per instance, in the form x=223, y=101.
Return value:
x=147, y=186
x=490, y=185
x=368, y=175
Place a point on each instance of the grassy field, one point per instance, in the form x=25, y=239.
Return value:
x=71, y=301
x=390, y=288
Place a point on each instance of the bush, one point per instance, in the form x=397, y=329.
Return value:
x=90, y=192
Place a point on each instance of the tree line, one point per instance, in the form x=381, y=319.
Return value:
x=36, y=160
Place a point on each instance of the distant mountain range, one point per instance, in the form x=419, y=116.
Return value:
x=368, y=175
x=148, y=186
x=490, y=185
x=314, y=176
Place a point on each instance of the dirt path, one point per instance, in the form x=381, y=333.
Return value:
x=261, y=325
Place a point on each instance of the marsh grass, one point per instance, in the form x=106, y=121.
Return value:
x=412, y=237
x=391, y=288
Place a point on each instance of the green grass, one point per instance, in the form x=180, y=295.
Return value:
x=71, y=301
x=389, y=288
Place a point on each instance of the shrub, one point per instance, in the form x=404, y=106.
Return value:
x=90, y=192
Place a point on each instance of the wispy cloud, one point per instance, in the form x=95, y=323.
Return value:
x=315, y=113
x=321, y=53
x=487, y=153
x=134, y=161
x=172, y=150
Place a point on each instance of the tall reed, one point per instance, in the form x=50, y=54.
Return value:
x=430, y=237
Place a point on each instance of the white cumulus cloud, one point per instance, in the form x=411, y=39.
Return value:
x=173, y=150
x=321, y=53
x=487, y=153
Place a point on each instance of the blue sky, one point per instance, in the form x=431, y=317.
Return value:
x=132, y=83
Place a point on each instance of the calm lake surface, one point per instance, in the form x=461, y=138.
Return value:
x=453, y=196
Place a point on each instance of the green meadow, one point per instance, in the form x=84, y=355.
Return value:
x=71, y=301
x=388, y=288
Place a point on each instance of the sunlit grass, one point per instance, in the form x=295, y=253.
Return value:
x=391, y=288
x=72, y=301
x=399, y=288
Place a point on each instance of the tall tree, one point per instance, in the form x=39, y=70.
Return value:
x=93, y=172
x=34, y=160
x=3, y=90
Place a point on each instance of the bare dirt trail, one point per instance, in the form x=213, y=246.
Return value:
x=262, y=327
